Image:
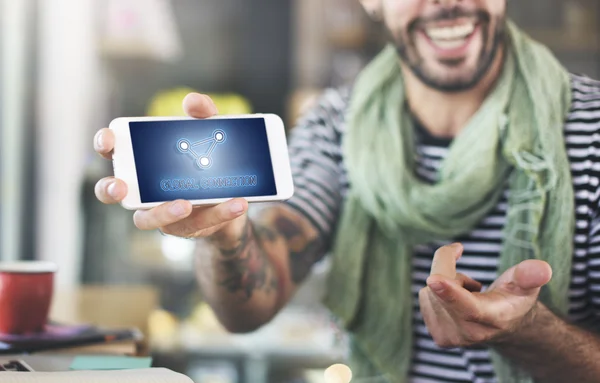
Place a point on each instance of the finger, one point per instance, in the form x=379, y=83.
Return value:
x=528, y=277
x=110, y=190
x=104, y=143
x=199, y=106
x=454, y=297
x=444, y=260
x=468, y=283
x=163, y=215
x=203, y=219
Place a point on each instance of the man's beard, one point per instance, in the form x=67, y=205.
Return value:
x=409, y=54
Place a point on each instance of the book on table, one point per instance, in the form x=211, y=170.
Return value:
x=79, y=339
x=150, y=375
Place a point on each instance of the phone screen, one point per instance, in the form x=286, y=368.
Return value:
x=202, y=159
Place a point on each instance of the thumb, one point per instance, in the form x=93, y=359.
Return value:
x=199, y=106
x=529, y=276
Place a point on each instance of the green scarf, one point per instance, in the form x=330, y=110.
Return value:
x=515, y=137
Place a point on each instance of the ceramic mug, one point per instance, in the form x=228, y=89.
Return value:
x=25, y=296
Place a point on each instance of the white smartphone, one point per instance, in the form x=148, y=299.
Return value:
x=205, y=161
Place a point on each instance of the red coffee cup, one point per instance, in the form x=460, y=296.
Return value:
x=25, y=296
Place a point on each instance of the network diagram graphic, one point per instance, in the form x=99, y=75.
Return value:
x=203, y=160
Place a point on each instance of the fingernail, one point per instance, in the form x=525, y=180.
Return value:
x=457, y=247
x=212, y=103
x=437, y=287
x=177, y=209
x=99, y=141
x=236, y=208
x=112, y=190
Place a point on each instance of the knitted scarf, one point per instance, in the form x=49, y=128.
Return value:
x=515, y=138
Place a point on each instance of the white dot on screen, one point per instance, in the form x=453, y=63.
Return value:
x=184, y=145
x=204, y=161
x=219, y=136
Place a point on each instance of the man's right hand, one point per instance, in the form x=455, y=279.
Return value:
x=224, y=222
x=246, y=272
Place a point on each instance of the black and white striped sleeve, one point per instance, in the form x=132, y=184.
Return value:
x=585, y=128
x=316, y=161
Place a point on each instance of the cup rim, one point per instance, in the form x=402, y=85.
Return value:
x=28, y=267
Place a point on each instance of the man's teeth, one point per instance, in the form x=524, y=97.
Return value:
x=449, y=44
x=450, y=34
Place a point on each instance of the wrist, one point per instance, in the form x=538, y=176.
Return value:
x=538, y=321
x=232, y=235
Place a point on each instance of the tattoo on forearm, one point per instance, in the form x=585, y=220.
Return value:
x=302, y=261
x=246, y=268
x=265, y=233
x=304, y=252
x=236, y=251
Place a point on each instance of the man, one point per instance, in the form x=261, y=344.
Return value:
x=463, y=130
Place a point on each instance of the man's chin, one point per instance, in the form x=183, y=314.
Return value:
x=449, y=75
x=453, y=63
x=449, y=83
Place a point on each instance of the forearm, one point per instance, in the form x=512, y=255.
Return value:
x=247, y=280
x=238, y=280
x=553, y=351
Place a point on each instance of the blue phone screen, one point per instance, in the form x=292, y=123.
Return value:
x=202, y=159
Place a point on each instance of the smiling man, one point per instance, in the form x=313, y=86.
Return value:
x=463, y=135
x=447, y=48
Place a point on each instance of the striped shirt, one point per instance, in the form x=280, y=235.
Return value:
x=321, y=185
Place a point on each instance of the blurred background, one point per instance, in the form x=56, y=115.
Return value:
x=67, y=68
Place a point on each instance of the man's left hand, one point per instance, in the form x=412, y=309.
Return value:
x=457, y=314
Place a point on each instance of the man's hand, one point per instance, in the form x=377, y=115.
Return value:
x=457, y=314
x=247, y=269
x=224, y=222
